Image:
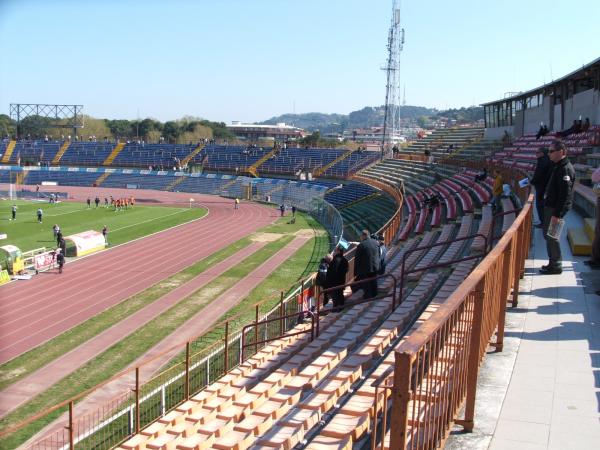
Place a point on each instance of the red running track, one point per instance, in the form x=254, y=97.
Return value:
x=35, y=311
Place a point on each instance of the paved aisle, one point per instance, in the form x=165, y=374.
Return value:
x=543, y=391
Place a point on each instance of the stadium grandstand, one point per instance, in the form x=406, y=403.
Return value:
x=465, y=344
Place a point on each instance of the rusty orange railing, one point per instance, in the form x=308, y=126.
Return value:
x=436, y=367
x=391, y=227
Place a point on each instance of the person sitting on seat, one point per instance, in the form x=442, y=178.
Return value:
x=575, y=128
x=482, y=176
x=540, y=132
x=434, y=201
x=586, y=125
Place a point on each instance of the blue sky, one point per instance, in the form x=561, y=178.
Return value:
x=253, y=59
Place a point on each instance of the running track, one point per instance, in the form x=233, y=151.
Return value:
x=33, y=312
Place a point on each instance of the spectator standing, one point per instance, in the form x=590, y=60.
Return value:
x=557, y=202
x=13, y=212
x=63, y=245
x=594, y=261
x=540, y=180
x=60, y=260
x=497, y=189
x=321, y=278
x=105, y=234
x=383, y=251
x=336, y=276
x=366, y=264
x=39, y=214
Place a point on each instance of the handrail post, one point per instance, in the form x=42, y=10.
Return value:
x=394, y=295
x=517, y=264
x=401, y=395
x=226, y=350
x=256, y=331
x=187, y=371
x=71, y=426
x=137, y=400
x=504, y=293
x=281, y=311
x=474, y=357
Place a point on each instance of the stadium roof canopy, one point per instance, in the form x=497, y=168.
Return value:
x=582, y=73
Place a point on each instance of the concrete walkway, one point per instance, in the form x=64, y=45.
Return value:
x=543, y=390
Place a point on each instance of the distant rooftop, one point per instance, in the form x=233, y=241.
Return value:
x=238, y=124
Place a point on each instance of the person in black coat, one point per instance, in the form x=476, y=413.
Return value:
x=336, y=276
x=558, y=200
x=540, y=180
x=60, y=261
x=366, y=264
x=321, y=278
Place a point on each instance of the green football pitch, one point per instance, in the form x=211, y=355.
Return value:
x=26, y=233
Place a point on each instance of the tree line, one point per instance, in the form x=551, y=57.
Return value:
x=184, y=130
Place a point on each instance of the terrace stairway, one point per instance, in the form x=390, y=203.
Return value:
x=321, y=170
x=110, y=158
x=60, y=153
x=253, y=168
x=580, y=239
x=101, y=179
x=185, y=161
x=21, y=176
x=176, y=182
x=9, y=150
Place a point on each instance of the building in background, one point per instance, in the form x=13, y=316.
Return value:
x=254, y=132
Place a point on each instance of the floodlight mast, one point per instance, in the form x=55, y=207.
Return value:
x=391, y=117
x=53, y=116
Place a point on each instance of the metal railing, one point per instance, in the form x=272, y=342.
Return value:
x=350, y=304
x=191, y=366
x=405, y=272
x=390, y=229
x=436, y=367
x=266, y=337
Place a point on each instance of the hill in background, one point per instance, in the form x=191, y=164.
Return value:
x=373, y=116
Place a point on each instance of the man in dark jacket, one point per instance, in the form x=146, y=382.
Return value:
x=336, y=275
x=366, y=264
x=540, y=180
x=557, y=202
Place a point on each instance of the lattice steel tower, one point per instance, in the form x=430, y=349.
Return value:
x=391, y=118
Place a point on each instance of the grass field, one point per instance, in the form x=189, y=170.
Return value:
x=27, y=234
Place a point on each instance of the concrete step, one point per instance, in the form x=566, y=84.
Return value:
x=589, y=225
x=580, y=243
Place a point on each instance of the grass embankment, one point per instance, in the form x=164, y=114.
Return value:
x=130, y=348
x=26, y=233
